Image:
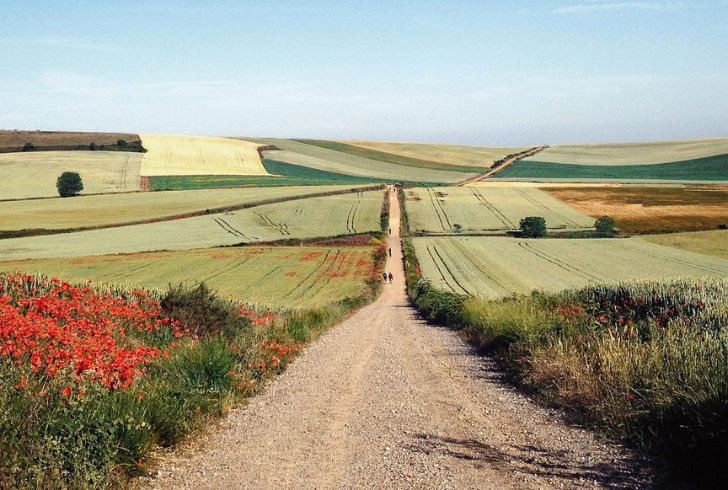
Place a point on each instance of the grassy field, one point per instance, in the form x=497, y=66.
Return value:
x=639, y=209
x=301, y=219
x=11, y=141
x=386, y=157
x=276, y=278
x=704, y=169
x=491, y=209
x=315, y=157
x=634, y=153
x=110, y=209
x=199, y=155
x=281, y=174
x=472, y=156
x=714, y=243
x=34, y=174
x=493, y=267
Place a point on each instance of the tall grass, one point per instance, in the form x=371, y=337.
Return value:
x=97, y=437
x=645, y=362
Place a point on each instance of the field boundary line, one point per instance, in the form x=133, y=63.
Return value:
x=494, y=170
x=190, y=214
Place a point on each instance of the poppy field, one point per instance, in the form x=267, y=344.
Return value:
x=92, y=378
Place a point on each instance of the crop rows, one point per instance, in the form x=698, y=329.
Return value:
x=278, y=277
x=483, y=210
x=494, y=267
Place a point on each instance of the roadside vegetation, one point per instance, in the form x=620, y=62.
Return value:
x=92, y=378
x=645, y=363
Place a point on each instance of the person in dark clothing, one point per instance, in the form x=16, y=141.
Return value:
x=390, y=251
x=384, y=277
x=390, y=277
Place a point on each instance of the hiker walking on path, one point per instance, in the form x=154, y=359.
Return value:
x=390, y=251
x=384, y=277
x=391, y=277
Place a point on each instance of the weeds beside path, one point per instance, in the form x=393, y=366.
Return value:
x=386, y=401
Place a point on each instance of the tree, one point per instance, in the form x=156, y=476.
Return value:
x=69, y=184
x=122, y=143
x=28, y=147
x=533, y=227
x=605, y=226
x=92, y=146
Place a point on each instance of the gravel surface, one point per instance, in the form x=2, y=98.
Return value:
x=386, y=401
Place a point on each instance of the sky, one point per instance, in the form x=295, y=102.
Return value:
x=507, y=72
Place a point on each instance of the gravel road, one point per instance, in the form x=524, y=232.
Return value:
x=384, y=400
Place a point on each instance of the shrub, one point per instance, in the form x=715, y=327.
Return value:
x=28, y=147
x=723, y=226
x=122, y=143
x=205, y=314
x=605, y=226
x=533, y=227
x=69, y=184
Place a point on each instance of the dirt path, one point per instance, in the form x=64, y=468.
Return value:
x=519, y=156
x=385, y=401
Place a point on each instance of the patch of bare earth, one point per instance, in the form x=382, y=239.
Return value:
x=651, y=209
x=386, y=401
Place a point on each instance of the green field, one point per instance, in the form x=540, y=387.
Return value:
x=316, y=157
x=491, y=209
x=494, y=267
x=704, y=169
x=281, y=174
x=110, y=209
x=34, y=174
x=300, y=219
x=649, y=153
x=386, y=157
x=277, y=278
x=474, y=156
x=713, y=243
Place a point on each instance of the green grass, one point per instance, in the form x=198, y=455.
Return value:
x=713, y=243
x=276, y=277
x=496, y=267
x=34, y=174
x=290, y=175
x=312, y=156
x=392, y=158
x=483, y=210
x=474, y=156
x=113, y=209
x=351, y=213
x=703, y=169
x=652, y=152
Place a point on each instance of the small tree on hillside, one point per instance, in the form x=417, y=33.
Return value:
x=28, y=147
x=122, y=143
x=533, y=227
x=605, y=226
x=69, y=184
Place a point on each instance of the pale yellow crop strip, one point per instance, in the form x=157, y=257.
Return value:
x=199, y=155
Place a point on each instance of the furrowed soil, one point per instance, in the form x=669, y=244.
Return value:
x=386, y=401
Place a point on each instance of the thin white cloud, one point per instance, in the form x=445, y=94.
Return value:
x=56, y=43
x=601, y=6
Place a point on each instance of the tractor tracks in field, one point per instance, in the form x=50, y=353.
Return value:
x=386, y=401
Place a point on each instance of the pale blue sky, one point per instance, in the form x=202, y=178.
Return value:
x=509, y=72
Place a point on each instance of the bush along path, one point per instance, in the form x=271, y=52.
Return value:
x=385, y=400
